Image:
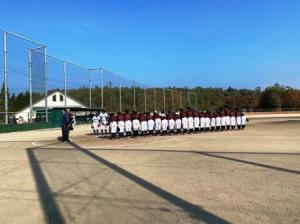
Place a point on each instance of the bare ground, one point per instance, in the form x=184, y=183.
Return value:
x=250, y=176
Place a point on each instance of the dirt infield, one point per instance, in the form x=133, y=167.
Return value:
x=250, y=176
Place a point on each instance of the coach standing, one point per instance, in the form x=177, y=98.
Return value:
x=65, y=125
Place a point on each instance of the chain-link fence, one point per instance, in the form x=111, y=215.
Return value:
x=32, y=82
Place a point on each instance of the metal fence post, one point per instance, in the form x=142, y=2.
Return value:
x=65, y=82
x=155, y=99
x=196, y=102
x=134, y=103
x=90, y=90
x=30, y=85
x=46, y=84
x=120, y=95
x=173, y=101
x=145, y=96
x=5, y=77
x=180, y=96
x=164, y=99
x=102, y=88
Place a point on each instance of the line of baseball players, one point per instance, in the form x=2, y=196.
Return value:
x=154, y=123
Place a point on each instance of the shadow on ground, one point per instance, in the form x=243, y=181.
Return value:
x=77, y=186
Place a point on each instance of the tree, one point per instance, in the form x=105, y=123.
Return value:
x=271, y=96
x=291, y=98
x=2, y=94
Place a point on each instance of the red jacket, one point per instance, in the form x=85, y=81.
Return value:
x=183, y=114
x=120, y=117
x=149, y=117
x=142, y=117
x=127, y=117
x=112, y=118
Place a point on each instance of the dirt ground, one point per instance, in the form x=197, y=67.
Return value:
x=250, y=176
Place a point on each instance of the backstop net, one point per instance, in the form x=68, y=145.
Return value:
x=18, y=87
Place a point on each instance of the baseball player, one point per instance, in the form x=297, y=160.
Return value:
x=202, y=122
x=177, y=121
x=157, y=121
x=223, y=121
x=164, y=123
x=171, y=122
x=135, y=124
x=96, y=123
x=144, y=123
x=121, y=124
x=239, y=120
x=113, y=126
x=184, y=121
x=150, y=123
x=128, y=123
x=213, y=122
x=103, y=122
x=244, y=120
x=232, y=120
x=227, y=118
x=190, y=115
x=207, y=121
x=196, y=121
x=218, y=122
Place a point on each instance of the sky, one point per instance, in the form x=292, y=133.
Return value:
x=219, y=43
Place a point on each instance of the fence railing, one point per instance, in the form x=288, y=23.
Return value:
x=23, y=117
x=273, y=110
x=29, y=75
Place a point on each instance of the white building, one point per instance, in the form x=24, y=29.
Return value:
x=56, y=99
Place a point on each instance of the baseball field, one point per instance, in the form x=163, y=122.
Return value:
x=250, y=176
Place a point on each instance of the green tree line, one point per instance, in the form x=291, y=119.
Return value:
x=272, y=97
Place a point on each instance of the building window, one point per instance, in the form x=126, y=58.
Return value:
x=54, y=98
x=61, y=98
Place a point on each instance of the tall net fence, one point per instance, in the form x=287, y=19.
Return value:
x=78, y=86
x=111, y=91
x=32, y=82
x=22, y=65
x=2, y=74
x=38, y=89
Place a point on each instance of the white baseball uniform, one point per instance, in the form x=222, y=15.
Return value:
x=103, y=121
x=207, y=122
x=157, y=124
x=196, y=122
x=144, y=126
x=190, y=122
x=232, y=121
x=223, y=121
x=150, y=125
x=227, y=120
x=135, y=124
x=184, y=122
x=202, y=122
x=244, y=120
x=128, y=126
x=171, y=124
x=218, y=121
x=178, y=123
x=239, y=120
x=121, y=125
x=96, y=122
x=213, y=122
x=164, y=124
x=113, y=127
